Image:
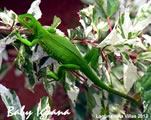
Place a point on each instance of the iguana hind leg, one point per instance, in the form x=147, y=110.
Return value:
x=61, y=71
x=51, y=30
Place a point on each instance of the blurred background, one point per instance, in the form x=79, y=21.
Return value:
x=12, y=79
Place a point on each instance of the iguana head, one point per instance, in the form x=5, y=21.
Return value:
x=28, y=21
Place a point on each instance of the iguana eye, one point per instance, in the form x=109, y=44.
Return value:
x=26, y=19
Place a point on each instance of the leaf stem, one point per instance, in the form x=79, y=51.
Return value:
x=109, y=23
x=77, y=77
x=106, y=60
x=84, y=78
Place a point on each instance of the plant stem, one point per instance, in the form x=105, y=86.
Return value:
x=106, y=60
x=84, y=78
x=109, y=23
x=77, y=77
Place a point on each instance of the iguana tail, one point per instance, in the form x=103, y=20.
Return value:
x=90, y=74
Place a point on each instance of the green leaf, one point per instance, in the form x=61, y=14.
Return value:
x=80, y=109
x=143, y=86
x=71, y=88
x=24, y=64
x=29, y=72
x=121, y=38
x=98, y=21
x=143, y=17
x=102, y=7
x=117, y=83
x=42, y=110
x=79, y=33
x=100, y=11
x=11, y=102
x=130, y=75
x=8, y=17
x=109, y=6
x=49, y=86
x=20, y=60
x=82, y=48
x=147, y=41
x=35, y=9
x=113, y=5
x=94, y=101
x=38, y=53
x=144, y=56
x=71, y=34
x=88, y=1
x=4, y=70
x=92, y=18
x=129, y=72
x=4, y=42
x=118, y=71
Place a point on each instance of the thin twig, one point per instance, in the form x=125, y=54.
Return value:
x=84, y=42
x=77, y=75
x=84, y=78
x=106, y=60
x=109, y=23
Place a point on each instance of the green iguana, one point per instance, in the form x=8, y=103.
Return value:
x=61, y=49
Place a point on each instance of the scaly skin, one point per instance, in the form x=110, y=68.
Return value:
x=61, y=49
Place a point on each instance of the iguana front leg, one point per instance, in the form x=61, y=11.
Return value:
x=51, y=30
x=61, y=71
x=25, y=41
